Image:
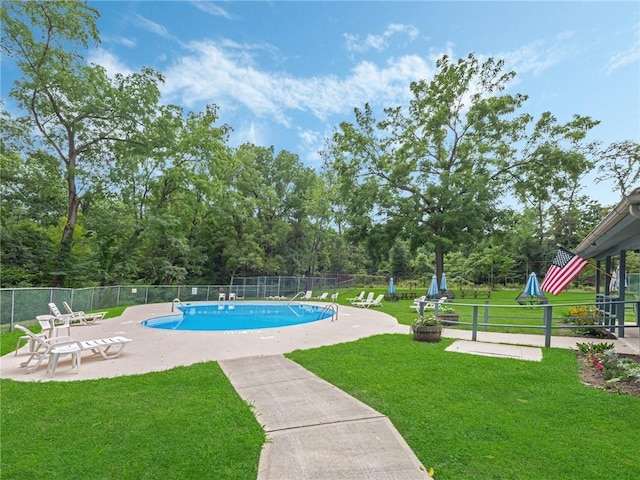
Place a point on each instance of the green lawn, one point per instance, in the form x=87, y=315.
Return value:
x=180, y=424
x=468, y=417
x=502, y=307
x=473, y=417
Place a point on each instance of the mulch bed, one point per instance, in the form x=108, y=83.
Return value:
x=592, y=378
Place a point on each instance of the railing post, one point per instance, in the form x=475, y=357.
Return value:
x=486, y=315
x=548, y=316
x=13, y=306
x=474, y=324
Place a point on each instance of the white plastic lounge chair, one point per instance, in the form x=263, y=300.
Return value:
x=377, y=302
x=334, y=297
x=60, y=319
x=366, y=301
x=54, y=349
x=357, y=298
x=232, y=296
x=54, y=324
x=222, y=297
x=57, y=346
x=323, y=296
x=307, y=295
x=81, y=317
x=428, y=305
x=45, y=333
x=39, y=347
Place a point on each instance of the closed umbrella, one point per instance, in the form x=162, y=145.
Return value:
x=443, y=282
x=433, y=288
x=392, y=288
x=533, y=287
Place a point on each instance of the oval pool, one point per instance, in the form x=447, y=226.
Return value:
x=239, y=316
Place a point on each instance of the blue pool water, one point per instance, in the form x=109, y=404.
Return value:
x=239, y=316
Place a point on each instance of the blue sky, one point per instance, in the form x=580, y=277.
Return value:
x=286, y=73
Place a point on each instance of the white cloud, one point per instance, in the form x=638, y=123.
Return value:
x=152, y=27
x=109, y=62
x=211, y=8
x=626, y=57
x=211, y=74
x=535, y=57
x=378, y=42
x=251, y=132
x=127, y=42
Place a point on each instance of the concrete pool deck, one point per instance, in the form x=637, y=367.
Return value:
x=155, y=350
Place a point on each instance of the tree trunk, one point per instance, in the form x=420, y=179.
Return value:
x=439, y=263
x=66, y=242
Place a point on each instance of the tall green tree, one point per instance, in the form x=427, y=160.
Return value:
x=620, y=162
x=430, y=164
x=79, y=112
x=440, y=166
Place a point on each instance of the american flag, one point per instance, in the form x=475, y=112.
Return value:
x=562, y=271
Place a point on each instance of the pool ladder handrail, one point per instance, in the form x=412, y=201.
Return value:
x=334, y=309
x=296, y=296
x=173, y=304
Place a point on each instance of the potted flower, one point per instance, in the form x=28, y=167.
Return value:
x=447, y=315
x=427, y=329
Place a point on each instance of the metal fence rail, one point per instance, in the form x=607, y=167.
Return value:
x=22, y=304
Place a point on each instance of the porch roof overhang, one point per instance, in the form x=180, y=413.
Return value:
x=619, y=230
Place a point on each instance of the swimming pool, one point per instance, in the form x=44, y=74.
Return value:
x=239, y=316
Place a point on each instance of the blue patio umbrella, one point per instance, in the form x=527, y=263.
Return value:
x=443, y=282
x=392, y=288
x=533, y=287
x=433, y=288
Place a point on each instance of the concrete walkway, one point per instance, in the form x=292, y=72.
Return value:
x=316, y=431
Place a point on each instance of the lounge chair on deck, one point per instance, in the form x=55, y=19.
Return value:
x=307, y=295
x=323, y=296
x=55, y=347
x=81, y=317
x=358, y=298
x=370, y=302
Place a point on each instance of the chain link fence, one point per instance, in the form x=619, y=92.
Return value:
x=23, y=304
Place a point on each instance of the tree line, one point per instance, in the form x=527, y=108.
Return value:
x=102, y=183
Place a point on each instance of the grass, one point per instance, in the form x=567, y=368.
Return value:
x=503, y=310
x=478, y=417
x=467, y=416
x=187, y=422
x=8, y=339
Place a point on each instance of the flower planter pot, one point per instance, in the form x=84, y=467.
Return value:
x=448, y=318
x=427, y=334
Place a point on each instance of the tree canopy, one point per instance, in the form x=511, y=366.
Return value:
x=104, y=183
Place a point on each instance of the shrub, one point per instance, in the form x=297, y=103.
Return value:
x=586, y=316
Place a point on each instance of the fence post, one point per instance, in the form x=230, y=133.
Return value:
x=118, y=297
x=486, y=315
x=474, y=324
x=548, y=323
x=13, y=306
